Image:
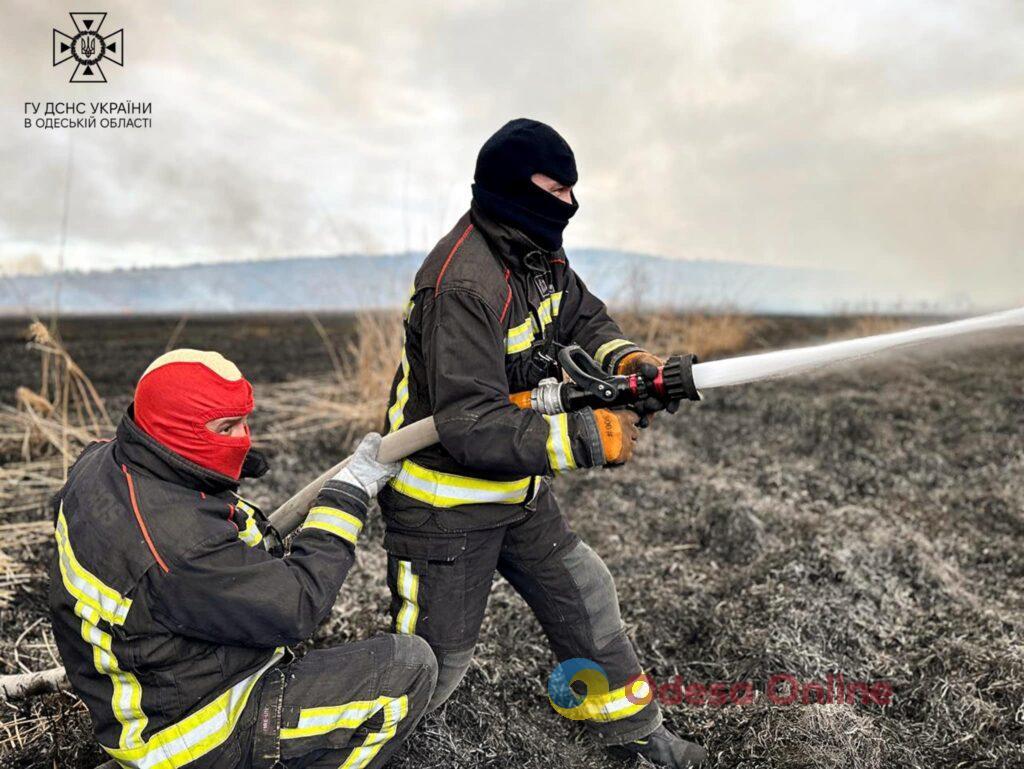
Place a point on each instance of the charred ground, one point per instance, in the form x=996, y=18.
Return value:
x=868, y=521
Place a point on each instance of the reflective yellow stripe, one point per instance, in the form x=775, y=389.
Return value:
x=197, y=734
x=608, y=348
x=396, y=412
x=619, y=703
x=448, y=490
x=560, y=456
x=601, y=705
x=97, y=602
x=335, y=521
x=547, y=311
x=519, y=338
x=409, y=590
x=126, y=700
x=407, y=312
x=250, y=533
x=394, y=711
x=316, y=721
x=83, y=584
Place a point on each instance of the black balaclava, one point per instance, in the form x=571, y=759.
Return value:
x=503, y=188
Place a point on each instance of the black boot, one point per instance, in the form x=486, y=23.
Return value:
x=662, y=748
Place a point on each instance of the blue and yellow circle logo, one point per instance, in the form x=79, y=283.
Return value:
x=596, y=703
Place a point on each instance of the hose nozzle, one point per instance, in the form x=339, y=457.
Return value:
x=675, y=379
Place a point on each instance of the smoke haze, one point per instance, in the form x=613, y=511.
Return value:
x=877, y=137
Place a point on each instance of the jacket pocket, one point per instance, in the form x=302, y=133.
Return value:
x=417, y=547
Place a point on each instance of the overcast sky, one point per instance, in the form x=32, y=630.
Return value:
x=884, y=137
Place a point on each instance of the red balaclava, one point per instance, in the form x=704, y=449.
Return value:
x=183, y=390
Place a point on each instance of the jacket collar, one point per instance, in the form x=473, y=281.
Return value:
x=511, y=245
x=139, y=450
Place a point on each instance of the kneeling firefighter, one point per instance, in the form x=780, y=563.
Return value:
x=172, y=618
x=490, y=307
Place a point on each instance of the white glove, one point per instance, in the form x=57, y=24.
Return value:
x=364, y=471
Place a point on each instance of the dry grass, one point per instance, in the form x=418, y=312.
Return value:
x=704, y=334
x=63, y=415
x=42, y=434
x=810, y=526
x=870, y=325
x=352, y=399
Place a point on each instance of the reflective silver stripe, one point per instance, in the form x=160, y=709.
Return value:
x=321, y=720
x=335, y=521
x=409, y=589
x=394, y=711
x=126, y=697
x=547, y=311
x=250, y=532
x=608, y=706
x=343, y=718
x=83, y=584
x=197, y=734
x=97, y=602
x=608, y=348
x=519, y=338
x=619, y=704
x=396, y=412
x=449, y=490
x=559, y=445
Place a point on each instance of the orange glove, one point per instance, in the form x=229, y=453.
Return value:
x=618, y=433
x=631, y=363
x=521, y=399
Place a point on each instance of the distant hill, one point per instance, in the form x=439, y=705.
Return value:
x=347, y=283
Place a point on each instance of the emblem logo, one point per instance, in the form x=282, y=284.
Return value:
x=88, y=48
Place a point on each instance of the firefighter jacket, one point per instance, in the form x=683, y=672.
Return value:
x=487, y=313
x=166, y=608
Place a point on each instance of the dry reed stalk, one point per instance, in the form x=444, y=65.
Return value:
x=870, y=325
x=705, y=334
x=352, y=398
x=64, y=415
x=179, y=327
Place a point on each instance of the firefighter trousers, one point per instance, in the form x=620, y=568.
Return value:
x=348, y=706
x=440, y=585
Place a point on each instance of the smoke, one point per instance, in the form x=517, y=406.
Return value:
x=877, y=137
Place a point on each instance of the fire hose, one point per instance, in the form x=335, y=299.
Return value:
x=682, y=377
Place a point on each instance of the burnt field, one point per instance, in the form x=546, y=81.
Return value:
x=867, y=521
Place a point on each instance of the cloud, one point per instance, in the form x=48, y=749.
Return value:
x=878, y=137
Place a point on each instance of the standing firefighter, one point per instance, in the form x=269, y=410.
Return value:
x=490, y=305
x=172, y=618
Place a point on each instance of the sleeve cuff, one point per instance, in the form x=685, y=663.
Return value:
x=340, y=509
x=573, y=441
x=610, y=353
x=588, y=447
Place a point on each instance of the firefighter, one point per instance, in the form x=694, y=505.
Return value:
x=489, y=308
x=174, y=621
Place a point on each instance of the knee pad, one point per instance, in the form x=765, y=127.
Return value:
x=451, y=669
x=413, y=651
x=597, y=591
